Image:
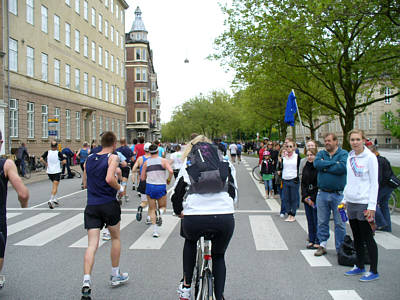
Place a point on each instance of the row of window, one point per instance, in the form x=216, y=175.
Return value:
x=30, y=116
x=111, y=93
x=119, y=13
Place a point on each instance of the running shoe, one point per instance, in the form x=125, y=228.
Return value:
x=2, y=281
x=133, y=188
x=184, y=293
x=55, y=201
x=355, y=271
x=86, y=290
x=118, y=280
x=148, y=220
x=369, y=276
x=156, y=234
x=50, y=204
x=106, y=236
x=158, y=217
x=139, y=194
x=139, y=213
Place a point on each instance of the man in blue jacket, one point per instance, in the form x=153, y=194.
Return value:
x=331, y=166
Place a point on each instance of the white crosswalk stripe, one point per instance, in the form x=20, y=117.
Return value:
x=302, y=220
x=387, y=240
x=12, y=215
x=17, y=227
x=53, y=232
x=315, y=261
x=265, y=233
x=344, y=295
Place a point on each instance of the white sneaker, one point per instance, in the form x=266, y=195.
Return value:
x=50, y=204
x=106, y=236
x=282, y=216
x=148, y=220
x=2, y=281
x=183, y=292
x=55, y=201
x=155, y=234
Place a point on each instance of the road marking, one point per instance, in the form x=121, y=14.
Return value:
x=146, y=241
x=344, y=295
x=126, y=219
x=17, y=227
x=266, y=235
x=65, y=196
x=53, y=232
x=302, y=220
x=272, y=203
x=387, y=240
x=249, y=169
x=12, y=215
x=315, y=261
x=395, y=219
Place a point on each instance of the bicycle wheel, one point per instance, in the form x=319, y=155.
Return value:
x=196, y=274
x=76, y=174
x=392, y=202
x=27, y=171
x=207, y=286
x=257, y=173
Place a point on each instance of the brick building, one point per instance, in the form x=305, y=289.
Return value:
x=143, y=102
x=65, y=60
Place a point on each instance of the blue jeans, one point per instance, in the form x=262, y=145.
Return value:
x=327, y=202
x=268, y=185
x=280, y=192
x=383, y=202
x=312, y=221
x=291, y=196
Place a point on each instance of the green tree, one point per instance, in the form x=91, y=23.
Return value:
x=392, y=122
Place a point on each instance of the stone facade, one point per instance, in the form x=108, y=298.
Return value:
x=66, y=62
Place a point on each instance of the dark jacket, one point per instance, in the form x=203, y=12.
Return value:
x=309, y=182
x=385, y=171
x=331, y=170
x=267, y=168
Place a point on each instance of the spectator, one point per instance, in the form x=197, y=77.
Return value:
x=68, y=154
x=22, y=154
x=331, y=166
x=261, y=152
x=311, y=144
x=267, y=171
x=360, y=196
x=279, y=181
x=83, y=155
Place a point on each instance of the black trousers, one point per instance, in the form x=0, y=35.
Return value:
x=222, y=227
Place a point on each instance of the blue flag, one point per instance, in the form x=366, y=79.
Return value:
x=291, y=109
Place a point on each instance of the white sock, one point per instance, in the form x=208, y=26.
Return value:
x=106, y=231
x=162, y=211
x=51, y=197
x=155, y=228
x=86, y=277
x=115, y=271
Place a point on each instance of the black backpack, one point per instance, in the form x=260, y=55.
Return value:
x=208, y=172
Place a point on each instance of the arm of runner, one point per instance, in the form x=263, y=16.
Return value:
x=10, y=171
x=84, y=178
x=62, y=158
x=144, y=175
x=137, y=164
x=113, y=162
x=169, y=169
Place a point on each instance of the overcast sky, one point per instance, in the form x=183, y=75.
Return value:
x=180, y=29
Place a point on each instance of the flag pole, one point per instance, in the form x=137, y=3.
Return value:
x=301, y=123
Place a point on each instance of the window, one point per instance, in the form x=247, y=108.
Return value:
x=117, y=66
x=389, y=118
x=77, y=6
x=44, y=66
x=68, y=76
x=94, y=126
x=365, y=122
x=122, y=70
x=118, y=95
x=138, y=53
x=112, y=93
x=56, y=27
x=29, y=11
x=93, y=86
x=112, y=63
x=106, y=59
x=30, y=61
x=13, y=6
x=370, y=120
x=100, y=124
x=106, y=91
x=122, y=16
x=45, y=124
x=56, y=71
x=77, y=80
x=112, y=125
x=67, y=124
x=116, y=12
x=153, y=86
x=93, y=17
x=141, y=95
x=77, y=35
x=67, y=34
x=85, y=46
x=388, y=140
x=30, y=116
x=107, y=121
x=116, y=37
x=44, y=18
x=85, y=10
x=122, y=42
x=106, y=28
x=100, y=89
x=144, y=74
x=85, y=83
x=118, y=130
x=100, y=23
x=141, y=116
x=106, y=3
x=112, y=6
x=78, y=124
x=68, y=2
x=387, y=93
x=13, y=54
x=58, y=125
x=112, y=33
x=13, y=118
x=93, y=51
x=100, y=55
x=141, y=74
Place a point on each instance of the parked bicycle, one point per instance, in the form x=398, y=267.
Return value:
x=74, y=173
x=35, y=164
x=393, y=198
x=257, y=173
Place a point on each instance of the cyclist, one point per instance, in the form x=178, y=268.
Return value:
x=207, y=208
x=8, y=172
x=51, y=160
x=142, y=184
x=102, y=209
x=156, y=190
x=127, y=152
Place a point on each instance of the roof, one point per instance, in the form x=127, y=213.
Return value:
x=124, y=4
x=138, y=24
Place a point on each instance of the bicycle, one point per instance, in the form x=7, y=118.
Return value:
x=393, y=199
x=74, y=173
x=203, y=280
x=257, y=173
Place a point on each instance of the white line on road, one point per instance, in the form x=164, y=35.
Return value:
x=17, y=227
x=146, y=241
x=126, y=219
x=302, y=220
x=65, y=196
x=249, y=169
x=266, y=235
x=315, y=261
x=272, y=203
x=395, y=219
x=54, y=232
x=12, y=215
x=387, y=240
x=344, y=295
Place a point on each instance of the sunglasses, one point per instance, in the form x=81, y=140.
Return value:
x=289, y=146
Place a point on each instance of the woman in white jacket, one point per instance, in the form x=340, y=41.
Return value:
x=360, y=196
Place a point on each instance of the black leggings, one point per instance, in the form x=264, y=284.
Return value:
x=362, y=234
x=82, y=166
x=222, y=227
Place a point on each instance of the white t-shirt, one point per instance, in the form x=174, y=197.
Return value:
x=233, y=148
x=289, y=167
x=177, y=161
x=53, y=162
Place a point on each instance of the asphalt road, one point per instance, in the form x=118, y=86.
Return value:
x=266, y=258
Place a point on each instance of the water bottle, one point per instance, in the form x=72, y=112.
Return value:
x=189, y=163
x=342, y=212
